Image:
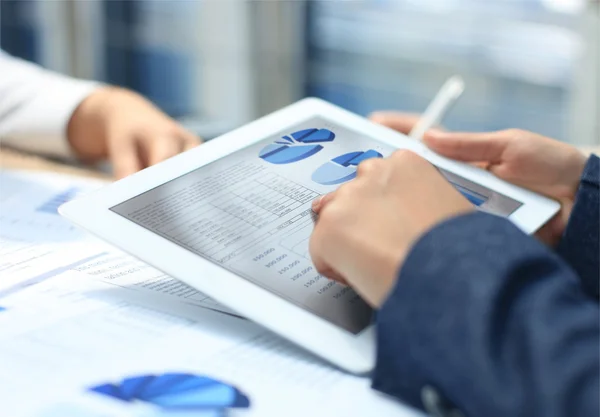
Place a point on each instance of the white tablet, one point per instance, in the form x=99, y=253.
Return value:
x=232, y=218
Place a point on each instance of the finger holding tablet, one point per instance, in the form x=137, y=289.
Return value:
x=520, y=157
x=523, y=158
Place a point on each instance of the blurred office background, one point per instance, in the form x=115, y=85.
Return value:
x=216, y=64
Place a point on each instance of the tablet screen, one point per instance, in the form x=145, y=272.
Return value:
x=250, y=212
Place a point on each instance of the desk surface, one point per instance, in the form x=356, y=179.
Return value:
x=12, y=159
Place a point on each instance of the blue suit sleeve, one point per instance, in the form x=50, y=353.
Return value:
x=579, y=245
x=493, y=320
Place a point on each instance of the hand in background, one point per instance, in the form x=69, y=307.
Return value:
x=127, y=129
x=532, y=161
x=366, y=227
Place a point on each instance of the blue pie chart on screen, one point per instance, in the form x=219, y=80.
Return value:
x=296, y=146
x=474, y=197
x=342, y=168
x=176, y=391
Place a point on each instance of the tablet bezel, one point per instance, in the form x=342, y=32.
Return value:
x=354, y=353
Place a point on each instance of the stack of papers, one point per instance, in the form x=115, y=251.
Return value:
x=87, y=330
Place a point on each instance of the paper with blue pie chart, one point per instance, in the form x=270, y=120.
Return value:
x=296, y=146
x=342, y=168
x=176, y=391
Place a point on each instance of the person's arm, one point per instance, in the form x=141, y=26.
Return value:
x=481, y=316
x=579, y=245
x=48, y=113
x=492, y=322
x=36, y=106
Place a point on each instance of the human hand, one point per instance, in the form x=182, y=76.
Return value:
x=126, y=128
x=532, y=161
x=366, y=227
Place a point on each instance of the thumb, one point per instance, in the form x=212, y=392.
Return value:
x=468, y=147
x=402, y=122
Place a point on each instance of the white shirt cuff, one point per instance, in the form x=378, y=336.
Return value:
x=42, y=104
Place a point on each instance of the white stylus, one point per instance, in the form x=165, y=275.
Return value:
x=448, y=94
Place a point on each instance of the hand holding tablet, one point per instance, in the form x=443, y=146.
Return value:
x=233, y=219
x=367, y=227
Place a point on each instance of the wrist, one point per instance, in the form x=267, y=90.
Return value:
x=575, y=164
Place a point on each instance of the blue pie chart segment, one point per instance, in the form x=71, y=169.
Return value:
x=213, y=396
x=364, y=156
x=318, y=136
x=302, y=134
x=110, y=390
x=474, y=197
x=342, y=168
x=176, y=391
x=131, y=388
x=344, y=160
x=296, y=146
x=284, y=154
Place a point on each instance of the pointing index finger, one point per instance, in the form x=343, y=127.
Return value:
x=320, y=202
x=468, y=147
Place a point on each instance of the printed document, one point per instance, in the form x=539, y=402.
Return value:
x=77, y=313
x=91, y=332
x=37, y=243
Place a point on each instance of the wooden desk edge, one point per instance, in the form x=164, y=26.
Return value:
x=11, y=159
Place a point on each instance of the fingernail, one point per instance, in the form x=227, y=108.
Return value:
x=316, y=204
